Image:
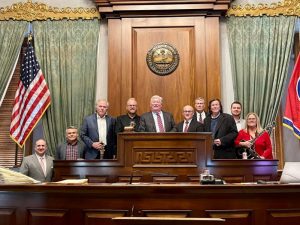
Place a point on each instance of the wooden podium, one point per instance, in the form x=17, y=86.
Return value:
x=161, y=158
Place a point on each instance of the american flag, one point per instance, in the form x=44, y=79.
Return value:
x=31, y=100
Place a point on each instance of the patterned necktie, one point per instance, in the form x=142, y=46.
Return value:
x=42, y=162
x=186, y=126
x=160, y=124
x=200, y=118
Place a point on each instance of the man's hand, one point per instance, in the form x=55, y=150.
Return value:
x=217, y=142
x=98, y=145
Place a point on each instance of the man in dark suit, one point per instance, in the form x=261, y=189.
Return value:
x=200, y=114
x=156, y=120
x=72, y=148
x=38, y=166
x=188, y=124
x=98, y=133
x=223, y=130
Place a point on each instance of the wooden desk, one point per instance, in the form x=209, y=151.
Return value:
x=167, y=157
x=53, y=204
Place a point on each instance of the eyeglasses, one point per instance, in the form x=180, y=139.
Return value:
x=187, y=111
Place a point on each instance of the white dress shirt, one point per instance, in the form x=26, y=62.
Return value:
x=101, y=122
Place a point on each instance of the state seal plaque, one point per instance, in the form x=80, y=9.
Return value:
x=162, y=59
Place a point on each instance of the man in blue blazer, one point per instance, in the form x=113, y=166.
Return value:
x=156, y=120
x=98, y=133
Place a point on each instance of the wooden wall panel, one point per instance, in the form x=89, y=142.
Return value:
x=114, y=65
x=7, y=216
x=283, y=216
x=213, y=58
x=102, y=217
x=195, y=40
x=233, y=217
x=47, y=216
x=176, y=88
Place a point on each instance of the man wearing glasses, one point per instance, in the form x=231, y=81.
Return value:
x=188, y=124
x=130, y=119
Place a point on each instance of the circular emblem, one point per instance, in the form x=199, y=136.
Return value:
x=162, y=59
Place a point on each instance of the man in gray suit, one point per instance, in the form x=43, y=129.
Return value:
x=38, y=166
x=72, y=148
x=156, y=120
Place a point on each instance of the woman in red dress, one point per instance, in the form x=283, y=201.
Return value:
x=262, y=144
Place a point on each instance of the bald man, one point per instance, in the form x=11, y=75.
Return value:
x=188, y=124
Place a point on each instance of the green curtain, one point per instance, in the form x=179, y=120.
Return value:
x=260, y=49
x=67, y=53
x=11, y=39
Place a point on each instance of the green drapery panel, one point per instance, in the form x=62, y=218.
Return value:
x=11, y=39
x=260, y=49
x=67, y=53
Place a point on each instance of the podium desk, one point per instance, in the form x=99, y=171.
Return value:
x=92, y=204
x=164, y=158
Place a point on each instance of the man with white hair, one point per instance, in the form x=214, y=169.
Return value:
x=156, y=120
x=98, y=133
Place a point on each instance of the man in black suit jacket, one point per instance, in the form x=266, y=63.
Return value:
x=156, y=120
x=130, y=120
x=98, y=133
x=223, y=130
x=189, y=124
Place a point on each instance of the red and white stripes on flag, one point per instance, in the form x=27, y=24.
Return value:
x=31, y=100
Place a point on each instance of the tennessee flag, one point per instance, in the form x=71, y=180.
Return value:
x=291, y=117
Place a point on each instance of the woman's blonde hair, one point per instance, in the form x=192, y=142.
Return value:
x=258, y=126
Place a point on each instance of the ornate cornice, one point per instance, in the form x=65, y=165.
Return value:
x=286, y=8
x=29, y=11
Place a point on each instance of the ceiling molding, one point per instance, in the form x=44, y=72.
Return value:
x=29, y=11
x=161, y=8
x=285, y=8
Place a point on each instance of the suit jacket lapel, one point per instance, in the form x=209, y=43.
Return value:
x=63, y=152
x=49, y=164
x=165, y=121
x=180, y=126
x=96, y=123
x=107, y=124
x=191, y=126
x=220, y=121
x=152, y=121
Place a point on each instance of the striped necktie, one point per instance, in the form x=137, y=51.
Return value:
x=186, y=126
x=160, y=124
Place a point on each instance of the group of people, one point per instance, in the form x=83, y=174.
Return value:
x=99, y=133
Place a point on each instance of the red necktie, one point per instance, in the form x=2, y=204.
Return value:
x=160, y=124
x=186, y=126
